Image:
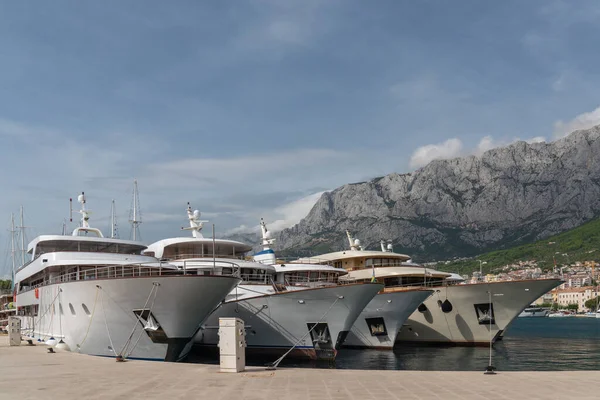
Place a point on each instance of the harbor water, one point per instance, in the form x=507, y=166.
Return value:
x=531, y=344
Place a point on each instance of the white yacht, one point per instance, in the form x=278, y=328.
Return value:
x=379, y=322
x=283, y=308
x=534, y=311
x=457, y=312
x=100, y=296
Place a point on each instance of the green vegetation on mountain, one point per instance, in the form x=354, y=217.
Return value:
x=578, y=244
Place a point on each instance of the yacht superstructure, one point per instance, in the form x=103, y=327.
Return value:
x=457, y=312
x=100, y=296
x=282, y=308
x=379, y=322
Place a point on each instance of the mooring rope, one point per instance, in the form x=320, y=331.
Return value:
x=135, y=323
x=280, y=359
x=106, y=322
x=91, y=319
x=142, y=331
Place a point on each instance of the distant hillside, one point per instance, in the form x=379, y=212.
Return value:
x=465, y=206
x=579, y=244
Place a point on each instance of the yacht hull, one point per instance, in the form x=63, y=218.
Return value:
x=467, y=322
x=275, y=323
x=100, y=317
x=379, y=323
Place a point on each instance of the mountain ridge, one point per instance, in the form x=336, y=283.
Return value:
x=462, y=206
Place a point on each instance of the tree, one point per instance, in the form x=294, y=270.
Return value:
x=5, y=284
x=592, y=304
x=573, y=306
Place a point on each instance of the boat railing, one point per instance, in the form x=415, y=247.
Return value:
x=210, y=267
x=113, y=272
x=124, y=271
x=262, y=279
x=398, y=287
x=305, y=281
x=304, y=260
x=190, y=256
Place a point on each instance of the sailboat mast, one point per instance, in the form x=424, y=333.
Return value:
x=135, y=217
x=12, y=246
x=113, y=220
x=23, y=249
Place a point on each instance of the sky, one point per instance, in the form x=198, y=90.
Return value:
x=252, y=108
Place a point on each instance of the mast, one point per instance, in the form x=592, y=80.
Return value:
x=12, y=247
x=114, y=233
x=23, y=248
x=196, y=223
x=354, y=243
x=267, y=240
x=135, y=216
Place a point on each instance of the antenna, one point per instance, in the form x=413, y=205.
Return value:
x=114, y=233
x=85, y=218
x=354, y=243
x=196, y=223
x=267, y=240
x=135, y=215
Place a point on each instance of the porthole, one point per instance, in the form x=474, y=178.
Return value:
x=85, y=309
x=72, y=309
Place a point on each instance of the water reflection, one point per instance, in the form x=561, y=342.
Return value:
x=542, y=344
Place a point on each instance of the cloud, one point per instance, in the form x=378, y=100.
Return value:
x=246, y=172
x=537, y=139
x=488, y=143
x=290, y=214
x=425, y=154
x=282, y=217
x=454, y=147
x=582, y=121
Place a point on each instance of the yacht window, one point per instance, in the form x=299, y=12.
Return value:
x=72, y=309
x=85, y=309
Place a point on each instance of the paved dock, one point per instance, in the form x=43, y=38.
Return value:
x=30, y=372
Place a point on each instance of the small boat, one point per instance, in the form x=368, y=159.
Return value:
x=560, y=314
x=534, y=311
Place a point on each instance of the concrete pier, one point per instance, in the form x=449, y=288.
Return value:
x=30, y=372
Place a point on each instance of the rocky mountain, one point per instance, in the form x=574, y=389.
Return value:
x=463, y=206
